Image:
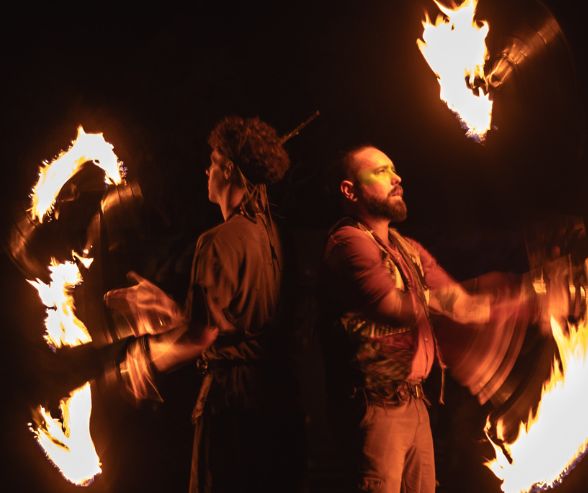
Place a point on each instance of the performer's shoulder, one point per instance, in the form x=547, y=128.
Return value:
x=347, y=235
x=345, y=227
x=234, y=231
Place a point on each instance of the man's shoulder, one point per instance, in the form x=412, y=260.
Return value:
x=349, y=239
x=345, y=234
x=233, y=231
x=212, y=241
x=208, y=236
x=345, y=227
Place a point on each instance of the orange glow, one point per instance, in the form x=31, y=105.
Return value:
x=66, y=440
x=52, y=176
x=556, y=437
x=455, y=49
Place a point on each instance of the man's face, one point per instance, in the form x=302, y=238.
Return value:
x=377, y=184
x=216, y=176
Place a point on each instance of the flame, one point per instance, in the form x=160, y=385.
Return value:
x=455, y=49
x=63, y=328
x=66, y=440
x=553, y=440
x=52, y=176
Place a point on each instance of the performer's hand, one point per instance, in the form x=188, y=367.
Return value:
x=474, y=309
x=457, y=304
x=137, y=371
x=148, y=309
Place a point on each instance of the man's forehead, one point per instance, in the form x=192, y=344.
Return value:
x=370, y=158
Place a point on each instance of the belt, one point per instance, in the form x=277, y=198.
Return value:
x=398, y=393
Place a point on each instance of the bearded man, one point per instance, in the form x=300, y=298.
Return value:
x=380, y=288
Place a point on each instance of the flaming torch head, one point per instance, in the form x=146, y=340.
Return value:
x=454, y=46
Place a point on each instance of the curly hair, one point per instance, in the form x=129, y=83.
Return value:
x=253, y=145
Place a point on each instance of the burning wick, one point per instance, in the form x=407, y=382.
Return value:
x=455, y=49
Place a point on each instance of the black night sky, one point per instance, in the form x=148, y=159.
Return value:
x=156, y=80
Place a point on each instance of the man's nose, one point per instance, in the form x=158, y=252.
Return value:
x=395, y=179
x=207, y=171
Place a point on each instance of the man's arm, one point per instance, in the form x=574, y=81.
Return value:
x=399, y=307
x=179, y=346
x=167, y=339
x=456, y=303
x=354, y=256
x=449, y=298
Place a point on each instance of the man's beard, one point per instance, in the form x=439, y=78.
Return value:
x=395, y=210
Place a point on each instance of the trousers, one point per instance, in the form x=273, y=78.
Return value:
x=388, y=449
x=397, y=451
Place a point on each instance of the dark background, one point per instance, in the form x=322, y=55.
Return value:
x=156, y=80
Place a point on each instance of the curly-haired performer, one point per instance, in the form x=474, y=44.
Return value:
x=226, y=327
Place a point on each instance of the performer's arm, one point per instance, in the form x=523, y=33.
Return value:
x=167, y=338
x=456, y=303
x=449, y=298
x=399, y=307
x=179, y=346
x=354, y=256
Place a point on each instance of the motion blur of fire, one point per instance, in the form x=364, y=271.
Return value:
x=52, y=176
x=555, y=437
x=454, y=46
x=66, y=439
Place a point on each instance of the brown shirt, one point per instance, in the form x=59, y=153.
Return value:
x=236, y=273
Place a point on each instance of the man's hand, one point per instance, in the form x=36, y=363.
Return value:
x=148, y=309
x=456, y=303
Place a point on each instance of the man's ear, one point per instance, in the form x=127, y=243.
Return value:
x=347, y=188
x=228, y=169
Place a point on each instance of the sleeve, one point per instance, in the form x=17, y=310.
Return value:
x=448, y=297
x=214, y=282
x=355, y=257
x=435, y=276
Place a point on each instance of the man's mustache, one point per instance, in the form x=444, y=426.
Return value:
x=396, y=191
